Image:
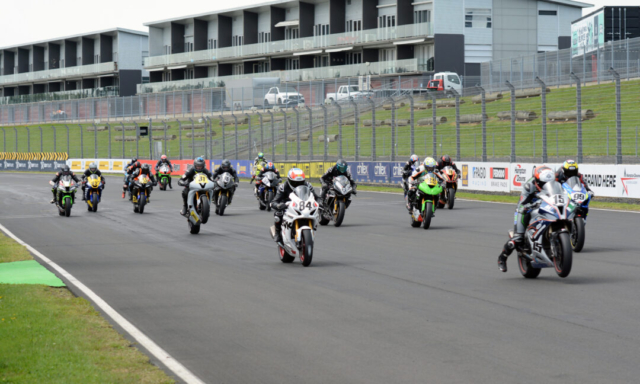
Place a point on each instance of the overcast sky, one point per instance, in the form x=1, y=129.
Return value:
x=33, y=20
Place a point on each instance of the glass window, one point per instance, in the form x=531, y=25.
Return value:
x=453, y=79
x=477, y=18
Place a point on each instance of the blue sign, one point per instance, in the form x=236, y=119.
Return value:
x=22, y=165
x=57, y=164
x=379, y=172
x=47, y=165
x=361, y=174
x=396, y=171
x=9, y=165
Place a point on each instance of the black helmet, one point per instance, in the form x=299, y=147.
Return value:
x=145, y=167
x=225, y=165
x=341, y=166
x=570, y=168
x=198, y=164
x=134, y=160
x=66, y=170
x=446, y=159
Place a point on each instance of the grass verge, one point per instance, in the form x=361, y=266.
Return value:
x=50, y=336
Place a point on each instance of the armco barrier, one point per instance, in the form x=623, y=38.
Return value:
x=33, y=156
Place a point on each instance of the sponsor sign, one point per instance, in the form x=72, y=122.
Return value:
x=118, y=165
x=361, y=173
x=587, y=35
x=33, y=165
x=9, y=165
x=379, y=172
x=630, y=180
x=76, y=165
x=520, y=173
x=481, y=176
x=242, y=167
x=22, y=165
x=603, y=179
x=396, y=173
x=47, y=166
x=104, y=165
x=499, y=178
x=1, y=165
x=465, y=175
x=57, y=164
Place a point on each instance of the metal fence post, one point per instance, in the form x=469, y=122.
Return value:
x=41, y=144
x=457, y=95
x=339, y=130
x=295, y=109
x=235, y=118
x=393, y=129
x=109, y=129
x=54, y=139
x=15, y=131
x=261, y=132
x=324, y=109
x=28, y=139
x=273, y=136
x=224, y=152
x=123, y=141
x=356, y=149
x=579, y=115
x=150, y=139
x=137, y=140
x=95, y=140
x=310, y=130
x=164, y=149
x=513, y=121
x=543, y=87
x=210, y=124
x=616, y=76
x=250, y=141
x=434, y=128
x=180, y=137
x=4, y=141
x=286, y=151
x=68, y=143
x=373, y=129
x=81, y=142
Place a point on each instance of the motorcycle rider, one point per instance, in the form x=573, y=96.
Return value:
x=224, y=167
x=407, y=170
x=164, y=161
x=570, y=169
x=64, y=171
x=187, y=178
x=295, y=179
x=340, y=169
x=444, y=161
x=428, y=166
x=258, y=163
x=92, y=170
x=267, y=168
x=127, y=177
x=541, y=176
x=144, y=170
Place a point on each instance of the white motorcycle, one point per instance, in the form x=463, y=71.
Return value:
x=223, y=192
x=299, y=223
x=200, y=192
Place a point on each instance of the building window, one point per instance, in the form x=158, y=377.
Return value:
x=188, y=47
x=291, y=33
x=321, y=61
x=292, y=64
x=237, y=69
x=145, y=79
x=388, y=54
x=236, y=41
x=353, y=25
x=547, y=13
x=353, y=58
x=477, y=18
x=421, y=17
x=212, y=44
x=145, y=54
x=264, y=37
x=167, y=49
x=386, y=21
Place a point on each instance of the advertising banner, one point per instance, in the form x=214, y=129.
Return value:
x=22, y=165
x=604, y=180
x=9, y=165
x=379, y=172
x=48, y=166
x=361, y=173
x=587, y=34
x=33, y=165
x=179, y=166
x=519, y=174
x=630, y=179
x=396, y=172
x=242, y=167
x=484, y=176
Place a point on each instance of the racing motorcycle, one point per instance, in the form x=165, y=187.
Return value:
x=200, y=192
x=95, y=186
x=449, y=178
x=223, y=192
x=580, y=200
x=336, y=201
x=142, y=186
x=267, y=188
x=547, y=238
x=65, y=195
x=424, y=206
x=164, y=173
x=299, y=223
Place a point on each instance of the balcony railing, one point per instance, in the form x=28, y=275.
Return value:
x=378, y=68
x=62, y=95
x=302, y=44
x=59, y=73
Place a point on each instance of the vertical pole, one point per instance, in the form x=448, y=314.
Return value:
x=326, y=145
x=434, y=129
x=235, y=118
x=579, y=114
x=180, y=138
x=55, y=142
x=151, y=137
x=68, y=144
x=122, y=125
x=164, y=148
x=618, y=116
x=295, y=109
x=373, y=129
x=109, y=128
x=95, y=141
x=543, y=87
x=28, y=139
x=81, y=142
x=224, y=153
x=513, y=121
x=137, y=140
x=250, y=141
x=15, y=131
x=41, y=144
x=356, y=137
x=261, y=132
x=339, y=130
x=273, y=136
x=286, y=152
x=4, y=140
x=484, y=123
x=393, y=127
x=412, y=125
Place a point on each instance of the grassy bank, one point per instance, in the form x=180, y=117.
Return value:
x=50, y=336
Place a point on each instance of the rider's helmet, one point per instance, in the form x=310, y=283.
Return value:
x=134, y=160
x=198, y=164
x=145, y=167
x=65, y=170
x=270, y=167
x=341, y=166
x=414, y=159
x=430, y=164
x=93, y=167
x=137, y=164
x=295, y=177
x=163, y=158
x=225, y=165
x=543, y=175
x=260, y=156
x=570, y=168
x=431, y=180
x=446, y=160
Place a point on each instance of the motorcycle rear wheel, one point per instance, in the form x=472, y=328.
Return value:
x=529, y=272
x=306, y=253
x=563, y=257
x=415, y=223
x=284, y=256
x=577, y=234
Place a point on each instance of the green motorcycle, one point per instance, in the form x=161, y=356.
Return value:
x=426, y=201
x=65, y=195
x=164, y=173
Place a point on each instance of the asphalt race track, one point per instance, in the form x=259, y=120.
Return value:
x=381, y=303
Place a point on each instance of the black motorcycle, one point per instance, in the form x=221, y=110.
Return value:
x=336, y=201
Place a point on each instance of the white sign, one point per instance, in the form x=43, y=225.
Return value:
x=587, y=35
x=484, y=176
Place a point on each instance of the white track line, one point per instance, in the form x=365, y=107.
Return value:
x=172, y=364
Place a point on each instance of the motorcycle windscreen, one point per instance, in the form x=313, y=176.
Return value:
x=552, y=188
x=342, y=180
x=303, y=192
x=574, y=183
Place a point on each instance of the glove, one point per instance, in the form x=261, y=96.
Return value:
x=591, y=194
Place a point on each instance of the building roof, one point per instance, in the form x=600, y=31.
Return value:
x=570, y=3
x=104, y=31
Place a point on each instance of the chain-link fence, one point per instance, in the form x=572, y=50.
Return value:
x=589, y=122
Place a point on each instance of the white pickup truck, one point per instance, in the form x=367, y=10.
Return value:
x=347, y=92
x=276, y=97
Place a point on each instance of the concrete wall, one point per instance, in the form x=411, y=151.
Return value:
x=478, y=41
x=156, y=46
x=515, y=24
x=292, y=14
x=353, y=11
x=130, y=49
x=237, y=26
x=448, y=17
x=264, y=22
x=387, y=11
x=321, y=13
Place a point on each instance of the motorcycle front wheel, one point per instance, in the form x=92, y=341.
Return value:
x=577, y=234
x=67, y=207
x=94, y=201
x=142, y=203
x=563, y=256
x=269, y=200
x=204, y=209
x=222, y=204
x=194, y=229
x=306, y=251
x=426, y=215
x=339, y=215
x=451, y=197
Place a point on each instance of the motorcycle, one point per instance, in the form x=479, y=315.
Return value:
x=336, y=201
x=164, y=173
x=424, y=207
x=449, y=178
x=141, y=189
x=200, y=192
x=65, y=195
x=223, y=192
x=299, y=223
x=267, y=188
x=580, y=199
x=547, y=238
x=95, y=186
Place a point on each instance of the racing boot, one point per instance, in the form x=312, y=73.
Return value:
x=185, y=211
x=278, y=238
x=170, y=186
x=513, y=243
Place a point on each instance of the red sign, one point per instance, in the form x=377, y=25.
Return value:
x=179, y=166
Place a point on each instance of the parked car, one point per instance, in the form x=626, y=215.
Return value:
x=448, y=81
x=348, y=92
x=58, y=115
x=277, y=97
